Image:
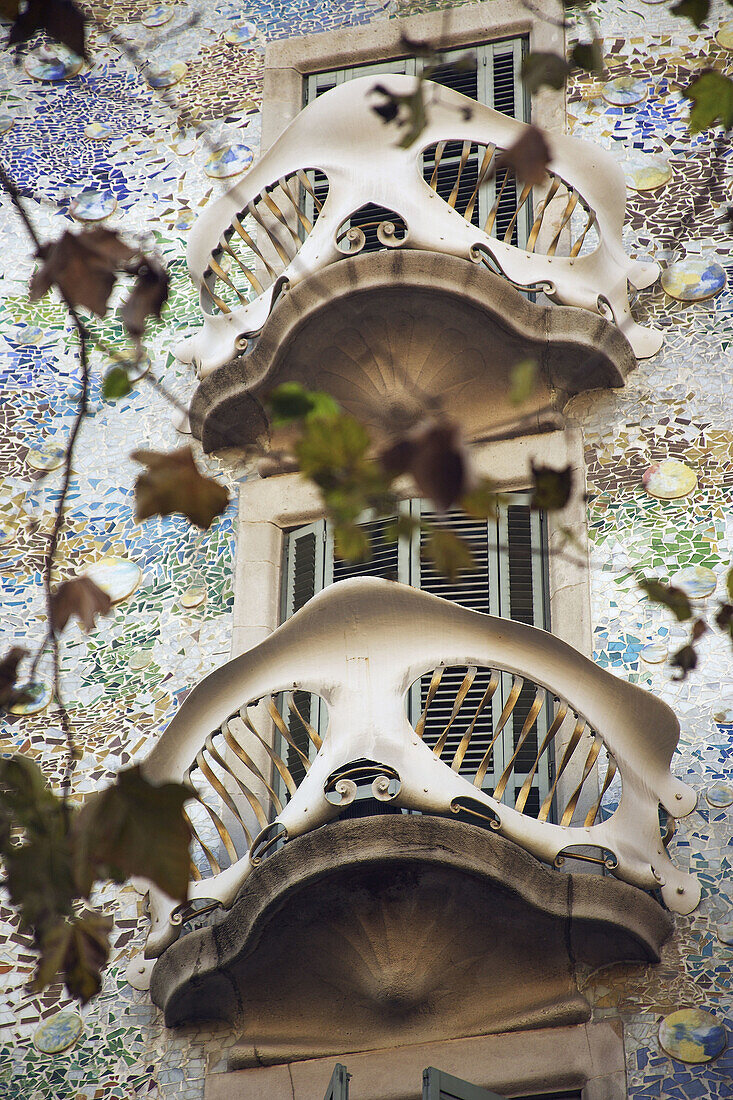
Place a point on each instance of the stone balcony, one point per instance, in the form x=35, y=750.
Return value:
x=342, y=840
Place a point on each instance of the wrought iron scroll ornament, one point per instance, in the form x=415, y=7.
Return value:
x=375, y=639
x=290, y=216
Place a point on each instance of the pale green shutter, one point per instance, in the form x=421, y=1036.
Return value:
x=439, y=1085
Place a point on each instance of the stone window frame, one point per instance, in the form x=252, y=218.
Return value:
x=288, y=61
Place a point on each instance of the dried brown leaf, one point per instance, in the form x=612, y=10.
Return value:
x=9, y=675
x=83, y=266
x=147, y=297
x=528, y=157
x=172, y=483
x=81, y=597
x=433, y=453
x=61, y=19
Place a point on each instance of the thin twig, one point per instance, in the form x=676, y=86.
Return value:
x=12, y=191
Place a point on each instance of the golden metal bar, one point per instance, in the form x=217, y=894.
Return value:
x=466, y=739
x=557, y=721
x=483, y=172
x=277, y=760
x=434, y=685
x=529, y=721
x=569, y=750
x=589, y=225
x=248, y=794
x=249, y=241
x=284, y=184
x=306, y=183
x=465, y=154
x=218, y=823
x=458, y=703
x=249, y=275
x=535, y=230
x=495, y=208
x=213, y=861
x=214, y=297
x=275, y=241
x=589, y=762
x=246, y=759
x=517, y=685
x=526, y=192
x=567, y=214
x=218, y=786
x=610, y=773
x=194, y=872
x=275, y=209
x=312, y=733
x=283, y=729
x=439, y=150
x=220, y=273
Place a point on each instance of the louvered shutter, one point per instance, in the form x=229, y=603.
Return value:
x=304, y=575
x=494, y=82
x=439, y=1085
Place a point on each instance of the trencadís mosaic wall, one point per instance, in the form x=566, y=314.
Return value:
x=99, y=144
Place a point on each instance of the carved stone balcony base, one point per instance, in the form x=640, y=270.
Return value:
x=402, y=929
x=385, y=332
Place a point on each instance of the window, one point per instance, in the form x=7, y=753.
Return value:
x=508, y=580
x=456, y=169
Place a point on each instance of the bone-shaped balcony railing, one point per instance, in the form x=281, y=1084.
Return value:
x=298, y=210
x=265, y=769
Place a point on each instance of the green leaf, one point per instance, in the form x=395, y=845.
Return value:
x=135, y=828
x=540, y=69
x=712, y=97
x=552, y=488
x=589, y=55
x=40, y=879
x=116, y=384
x=685, y=659
x=25, y=795
x=482, y=501
x=291, y=402
x=669, y=596
x=350, y=542
x=696, y=10
x=729, y=583
x=523, y=381
x=77, y=950
x=449, y=554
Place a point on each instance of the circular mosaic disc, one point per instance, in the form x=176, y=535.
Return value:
x=46, y=458
x=230, y=160
x=625, y=91
x=724, y=716
x=40, y=698
x=30, y=335
x=118, y=577
x=6, y=122
x=193, y=596
x=693, y=279
x=238, y=36
x=695, y=581
x=164, y=78
x=97, y=131
x=724, y=928
x=654, y=653
x=719, y=795
x=184, y=220
x=157, y=16
x=669, y=480
x=140, y=659
x=92, y=206
x=692, y=1035
x=58, y=1033
x=724, y=37
x=647, y=173
x=52, y=63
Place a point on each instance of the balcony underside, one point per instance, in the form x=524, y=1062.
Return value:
x=388, y=332
x=402, y=929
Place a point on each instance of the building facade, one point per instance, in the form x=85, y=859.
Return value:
x=569, y=999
